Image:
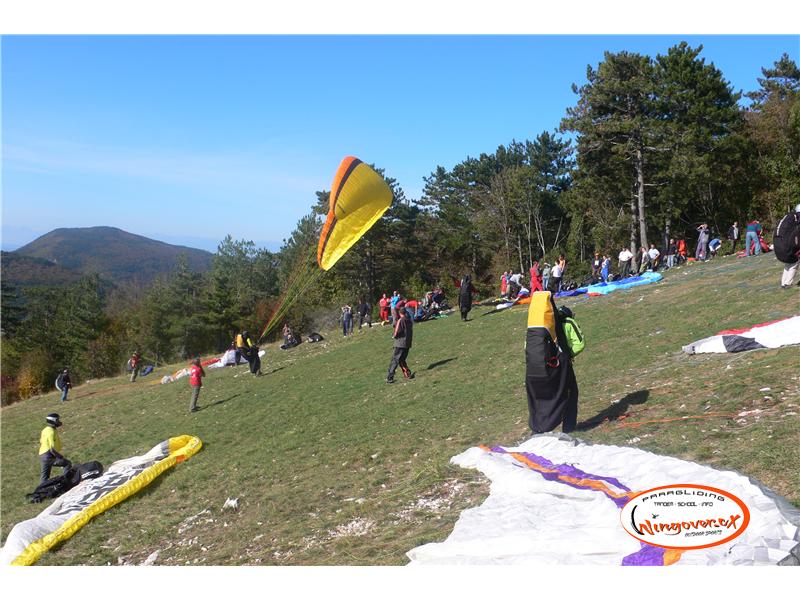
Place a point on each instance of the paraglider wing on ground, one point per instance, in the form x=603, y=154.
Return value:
x=557, y=500
x=30, y=539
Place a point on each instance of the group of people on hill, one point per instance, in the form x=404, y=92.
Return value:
x=542, y=277
x=362, y=312
x=429, y=306
x=552, y=400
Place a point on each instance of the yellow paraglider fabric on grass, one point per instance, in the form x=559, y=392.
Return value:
x=359, y=197
x=177, y=450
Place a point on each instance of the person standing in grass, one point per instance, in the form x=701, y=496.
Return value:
x=751, y=238
x=465, y=296
x=733, y=236
x=554, y=285
x=383, y=303
x=393, y=305
x=241, y=349
x=136, y=365
x=536, y=277
x=786, y=243
x=50, y=448
x=672, y=250
x=625, y=256
x=347, y=320
x=605, y=267
x=196, y=374
x=597, y=265
x=64, y=384
x=681, y=257
x=653, y=255
x=250, y=352
x=403, y=333
x=364, y=313
x=545, y=276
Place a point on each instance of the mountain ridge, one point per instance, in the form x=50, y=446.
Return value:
x=116, y=255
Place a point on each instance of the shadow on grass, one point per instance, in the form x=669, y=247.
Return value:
x=615, y=411
x=439, y=363
x=217, y=402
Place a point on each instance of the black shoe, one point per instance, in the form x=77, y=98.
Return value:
x=390, y=380
x=194, y=409
x=411, y=376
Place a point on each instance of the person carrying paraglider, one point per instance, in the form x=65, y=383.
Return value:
x=465, y=296
x=553, y=340
x=50, y=448
x=239, y=349
x=64, y=384
x=250, y=352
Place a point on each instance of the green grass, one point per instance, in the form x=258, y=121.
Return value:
x=333, y=466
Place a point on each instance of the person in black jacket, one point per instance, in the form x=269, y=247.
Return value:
x=465, y=296
x=403, y=333
x=364, y=313
x=64, y=384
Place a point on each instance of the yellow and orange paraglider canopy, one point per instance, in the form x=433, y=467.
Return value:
x=359, y=196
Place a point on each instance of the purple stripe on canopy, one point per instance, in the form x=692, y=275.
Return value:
x=647, y=556
x=568, y=470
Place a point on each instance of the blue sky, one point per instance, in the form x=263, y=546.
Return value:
x=188, y=138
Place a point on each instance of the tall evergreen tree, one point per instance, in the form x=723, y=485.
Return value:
x=617, y=125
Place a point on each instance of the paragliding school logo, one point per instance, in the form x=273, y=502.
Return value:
x=685, y=517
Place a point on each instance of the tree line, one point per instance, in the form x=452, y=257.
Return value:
x=651, y=148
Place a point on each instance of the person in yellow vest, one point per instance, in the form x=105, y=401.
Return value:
x=241, y=351
x=50, y=448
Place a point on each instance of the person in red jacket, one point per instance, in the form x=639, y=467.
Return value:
x=536, y=277
x=196, y=374
x=384, y=305
x=136, y=365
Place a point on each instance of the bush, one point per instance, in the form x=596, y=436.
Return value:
x=36, y=374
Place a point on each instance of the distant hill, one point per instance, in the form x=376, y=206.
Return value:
x=115, y=255
x=29, y=271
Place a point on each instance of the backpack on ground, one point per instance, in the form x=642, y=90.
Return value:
x=786, y=241
x=575, y=339
x=56, y=486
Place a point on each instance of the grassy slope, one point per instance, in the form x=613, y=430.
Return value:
x=322, y=450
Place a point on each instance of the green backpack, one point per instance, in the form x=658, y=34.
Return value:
x=575, y=340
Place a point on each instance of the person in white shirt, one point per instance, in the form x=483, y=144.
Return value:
x=625, y=263
x=653, y=253
x=555, y=278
